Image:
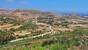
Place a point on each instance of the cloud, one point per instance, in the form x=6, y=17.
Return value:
x=20, y=2
x=9, y=0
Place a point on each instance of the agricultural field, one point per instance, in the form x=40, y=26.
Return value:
x=43, y=32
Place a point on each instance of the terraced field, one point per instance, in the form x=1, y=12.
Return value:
x=43, y=33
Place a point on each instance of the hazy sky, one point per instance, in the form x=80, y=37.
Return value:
x=47, y=5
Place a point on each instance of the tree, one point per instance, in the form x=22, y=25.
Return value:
x=5, y=36
x=28, y=25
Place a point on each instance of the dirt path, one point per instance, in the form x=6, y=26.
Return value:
x=50, y=32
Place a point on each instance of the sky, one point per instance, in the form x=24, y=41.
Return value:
x=79, y=6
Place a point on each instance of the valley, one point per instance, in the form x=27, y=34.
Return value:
x=36, y=30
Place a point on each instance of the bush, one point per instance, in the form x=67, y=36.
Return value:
x=28, y=25
x=58, y=46
x=5, y=36
x=38, y=48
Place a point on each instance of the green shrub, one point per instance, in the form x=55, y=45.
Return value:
x=58, y=46
x=38, y=48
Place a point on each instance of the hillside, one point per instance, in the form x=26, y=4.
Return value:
x=37, y=30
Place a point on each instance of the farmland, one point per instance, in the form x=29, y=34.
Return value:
x=35, y=30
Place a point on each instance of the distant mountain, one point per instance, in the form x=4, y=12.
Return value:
x=23, y=14
x=28, y=14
